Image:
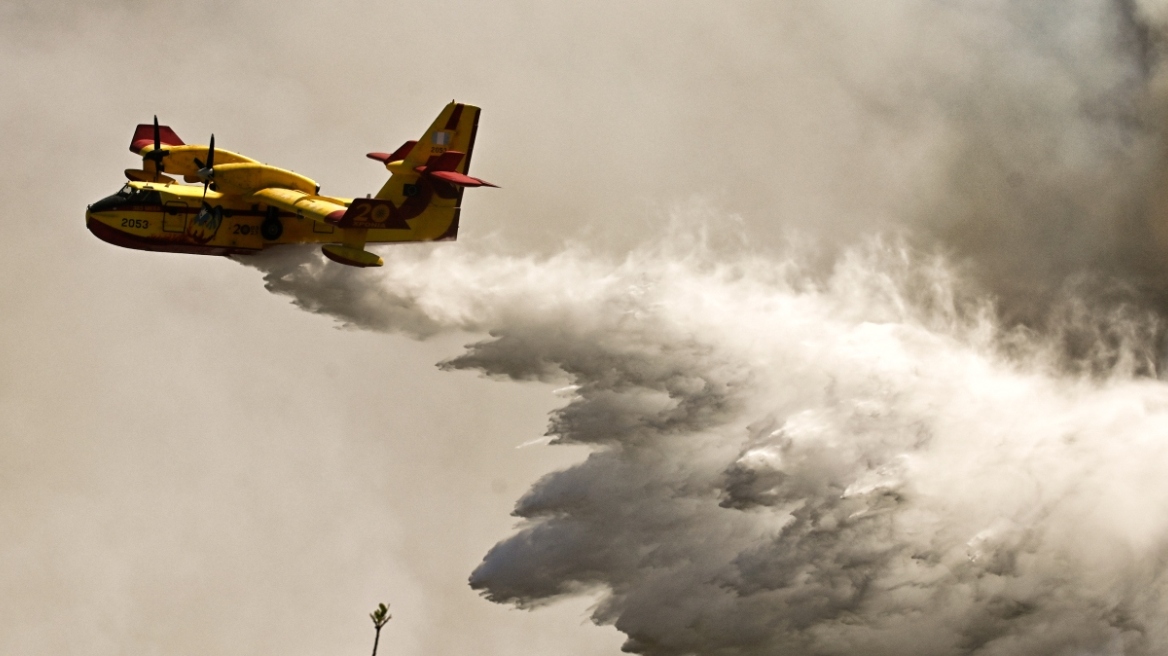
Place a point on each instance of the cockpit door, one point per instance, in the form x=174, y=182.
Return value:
x=174, y=216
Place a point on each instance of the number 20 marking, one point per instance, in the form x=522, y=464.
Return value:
x=368, y=211
x=362, y=213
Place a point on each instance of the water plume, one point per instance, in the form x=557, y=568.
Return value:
x=895, y=453
x=862, y=463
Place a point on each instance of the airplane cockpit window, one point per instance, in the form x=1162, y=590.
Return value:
x=128, y=195
x=134, y=196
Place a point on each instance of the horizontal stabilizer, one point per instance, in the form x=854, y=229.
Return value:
x=461, y=180
x=454, y=177
x=447, y=161
x=445, y=167
x=397, y=155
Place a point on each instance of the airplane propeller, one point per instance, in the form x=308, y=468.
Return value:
x=206, y=172
x=158, y=153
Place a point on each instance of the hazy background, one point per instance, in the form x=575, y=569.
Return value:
x=191, y=465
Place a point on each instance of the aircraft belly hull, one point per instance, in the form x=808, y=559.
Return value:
x=117, y=237
x=175, y=222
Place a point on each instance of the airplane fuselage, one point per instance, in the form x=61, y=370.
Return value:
x=238, y=205
x=173, y=217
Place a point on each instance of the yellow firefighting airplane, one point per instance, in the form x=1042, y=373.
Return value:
x=245, y=206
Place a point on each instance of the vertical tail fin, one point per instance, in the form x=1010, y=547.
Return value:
x=453, y=130
x=424, y=192
x=446, y=146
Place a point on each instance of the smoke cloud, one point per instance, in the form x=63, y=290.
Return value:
x=1046, y=172
x=890, y=453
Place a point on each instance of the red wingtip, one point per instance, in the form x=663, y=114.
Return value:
x=144, y=136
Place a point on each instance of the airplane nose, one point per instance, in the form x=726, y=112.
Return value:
x=106, y=204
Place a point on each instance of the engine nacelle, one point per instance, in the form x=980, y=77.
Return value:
x=244, y=178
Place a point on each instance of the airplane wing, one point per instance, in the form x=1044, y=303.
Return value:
x=306, y=205
x=360, y=213
x=330, y=211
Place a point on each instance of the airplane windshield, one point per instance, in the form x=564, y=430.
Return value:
x=128, y=197
x=133, y=196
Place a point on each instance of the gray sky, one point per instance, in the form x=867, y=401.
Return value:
x=190, y=464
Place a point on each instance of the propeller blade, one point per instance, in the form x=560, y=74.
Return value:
x=207, y=171
x=198, y=163
x=157, y=153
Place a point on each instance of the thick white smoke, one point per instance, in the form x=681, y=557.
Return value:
x=783, y=465
x=869, y=461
